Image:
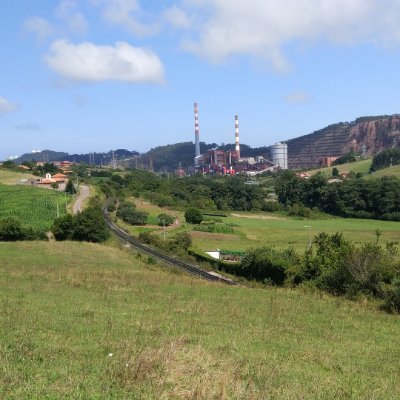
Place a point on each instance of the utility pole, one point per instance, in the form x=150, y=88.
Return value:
x=163, y=221
x=58, y=212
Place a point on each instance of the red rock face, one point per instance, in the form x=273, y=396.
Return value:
x=375, y=135
x=371, y=134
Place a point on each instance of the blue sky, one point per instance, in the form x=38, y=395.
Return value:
x=95, y=75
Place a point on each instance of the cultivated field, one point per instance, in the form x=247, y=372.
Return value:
x=86, y=321
x=36, y=207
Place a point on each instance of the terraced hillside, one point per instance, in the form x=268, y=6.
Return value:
x=366, y=134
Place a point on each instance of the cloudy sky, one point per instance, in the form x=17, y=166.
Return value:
x=95, y=75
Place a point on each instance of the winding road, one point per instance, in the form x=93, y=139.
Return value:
x=83, y=194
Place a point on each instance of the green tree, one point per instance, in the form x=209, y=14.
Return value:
x=165, y=219
x=69, y=187
x=193, y=215
x=183, y=240
x=90, y=226
x=63, y=227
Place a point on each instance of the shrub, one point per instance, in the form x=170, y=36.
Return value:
x=265, y=264
x=11, y=229
x=193, y=215
x=183, y=240
x=165, y=219
x=392, y=297
x=89, y=225
x=128, y=213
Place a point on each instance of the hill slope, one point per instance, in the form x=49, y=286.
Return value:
x=367, y=133
x=88, y=321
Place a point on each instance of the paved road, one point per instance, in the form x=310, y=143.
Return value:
x=83, y=194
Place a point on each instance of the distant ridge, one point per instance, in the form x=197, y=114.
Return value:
x=88, y=158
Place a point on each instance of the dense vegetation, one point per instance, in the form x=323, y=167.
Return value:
x=346, y=158
x=377, y=198
x=386, y=158
x=88, y=225
x=332, y=264
x=205, y=193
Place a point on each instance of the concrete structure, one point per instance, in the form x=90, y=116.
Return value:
x=279, y=155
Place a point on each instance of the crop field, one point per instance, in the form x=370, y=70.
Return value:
x=36, y=207
x=86, y=321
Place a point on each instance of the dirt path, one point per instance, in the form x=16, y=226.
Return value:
x=83, y=194
x=258, y=216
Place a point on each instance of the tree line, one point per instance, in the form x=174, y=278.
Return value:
x=377, y=198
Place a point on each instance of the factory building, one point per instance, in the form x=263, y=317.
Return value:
x=218, y=161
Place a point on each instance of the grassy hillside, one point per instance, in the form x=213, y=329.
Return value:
x=34, y=206
x=8, y=177
x=357, y=166
x=88, y=321
x=391, y=171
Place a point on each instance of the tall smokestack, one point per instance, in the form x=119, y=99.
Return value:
x=196, y=130
x=237, y=145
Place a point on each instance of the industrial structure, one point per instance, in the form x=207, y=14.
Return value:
x=230, y=162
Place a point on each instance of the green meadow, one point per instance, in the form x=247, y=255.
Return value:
x=87, y=321
x=256, y=230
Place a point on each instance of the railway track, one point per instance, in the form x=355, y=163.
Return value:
x=142, y=248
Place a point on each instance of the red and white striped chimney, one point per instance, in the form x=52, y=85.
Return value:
x=196, y=130
x=237, y=145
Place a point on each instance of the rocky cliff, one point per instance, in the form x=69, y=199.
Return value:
x=366, y=135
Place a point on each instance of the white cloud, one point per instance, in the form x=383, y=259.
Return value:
x=262, y=28
x=89, y=62
x=177, y=17
x=38, y=26
x=66, y=11
x=129, y=15
x=6, y=106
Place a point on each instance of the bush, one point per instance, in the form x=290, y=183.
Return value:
x=11, y=230
x=128, y=213
x=165, y=219
x=266, y=264
x=392, y=297
x=183, y=240
x=89, y=225
x=193, y=215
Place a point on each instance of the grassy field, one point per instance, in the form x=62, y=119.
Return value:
x=84, y=321
x=8, y=177
x=252, y=230
x=391, y=171
x=36, y=207
x=357, y=166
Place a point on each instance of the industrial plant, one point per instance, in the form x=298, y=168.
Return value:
x=222, y=162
